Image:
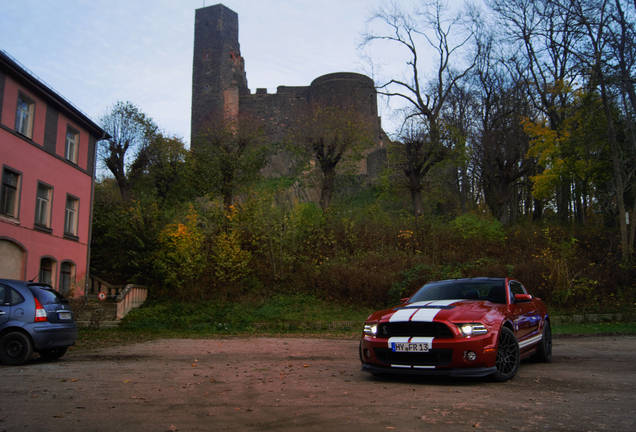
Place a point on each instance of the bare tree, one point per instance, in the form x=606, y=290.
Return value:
x=498, y=143
x=227, y=156
x=448, y=38
x=607, y=52
x=332, y=137
x=543, y=37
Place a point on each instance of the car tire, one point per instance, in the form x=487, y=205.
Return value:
x=15, y=348
x=544, y=348
x=53, y=353
x=508, y=357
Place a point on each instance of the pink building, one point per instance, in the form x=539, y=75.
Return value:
x=47, y=157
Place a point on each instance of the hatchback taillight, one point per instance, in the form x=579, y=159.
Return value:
x=40, y=312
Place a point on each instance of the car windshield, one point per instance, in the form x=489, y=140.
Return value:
x=491, y=290
x=46, y=295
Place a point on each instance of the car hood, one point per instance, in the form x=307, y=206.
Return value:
x=442, y=310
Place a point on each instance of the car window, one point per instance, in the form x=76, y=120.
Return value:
x=491, y=290
x=15, y=297
x=46, y=295
x=516, y=288
x=3, y=293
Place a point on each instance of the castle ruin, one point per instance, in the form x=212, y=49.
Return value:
x=220, y=92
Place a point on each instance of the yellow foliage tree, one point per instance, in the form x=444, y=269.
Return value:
x=180, y=260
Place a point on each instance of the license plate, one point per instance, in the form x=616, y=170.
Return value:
x=64, y=315
x=409, y=346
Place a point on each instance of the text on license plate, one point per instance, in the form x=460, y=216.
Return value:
x=409, y=346
x=64, y=315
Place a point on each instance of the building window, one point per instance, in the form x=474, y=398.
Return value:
x=43, y=206
x=9, y=193
x=47, y=271
x=72, y=144
x=24, y=116
x=70, y=216
x=67, y=277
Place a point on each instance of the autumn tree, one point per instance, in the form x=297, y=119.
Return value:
x=541, y=39
x=130, y=130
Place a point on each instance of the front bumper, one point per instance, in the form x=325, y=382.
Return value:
x=467, y=372
x=456, y=356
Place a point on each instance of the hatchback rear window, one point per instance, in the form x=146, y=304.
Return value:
x=47, y=295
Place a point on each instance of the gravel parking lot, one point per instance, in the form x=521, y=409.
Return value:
x=305, y=384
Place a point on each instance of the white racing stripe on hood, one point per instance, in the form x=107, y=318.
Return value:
x=443, y=302
x=403, y=314
x=420, y=304
x=425, y=315
x=427, y=312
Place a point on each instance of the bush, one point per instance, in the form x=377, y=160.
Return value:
x=479, y=228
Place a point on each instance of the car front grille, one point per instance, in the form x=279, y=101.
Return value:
x=434, y=357
x=426, y=329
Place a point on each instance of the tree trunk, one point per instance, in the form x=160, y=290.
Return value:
x=416, y=198
x=618, y=175
x=327, y=187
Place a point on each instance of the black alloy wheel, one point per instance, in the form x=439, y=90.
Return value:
x=508, y=357
x=15, y=348
x=544, y=349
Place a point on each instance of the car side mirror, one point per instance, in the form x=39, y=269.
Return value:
x=404, y=300
x=521, y=298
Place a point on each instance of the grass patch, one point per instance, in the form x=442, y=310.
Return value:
x=279, y=315
x=297, y=313
x=590, y=329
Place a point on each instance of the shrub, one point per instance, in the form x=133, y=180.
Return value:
x=481, y=228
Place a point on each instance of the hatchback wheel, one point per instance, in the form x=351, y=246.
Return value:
x=53, y=353
x=15, y=348
x=508, y=358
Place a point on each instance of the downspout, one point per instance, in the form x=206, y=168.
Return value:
x=90, y=222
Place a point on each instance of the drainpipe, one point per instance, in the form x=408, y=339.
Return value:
x=90, y=222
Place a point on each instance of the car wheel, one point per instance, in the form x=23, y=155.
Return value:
x=507, y=362
x=544, y=349
x=15, y=348
x=53, y=353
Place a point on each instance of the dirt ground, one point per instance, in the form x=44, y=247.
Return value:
x=303, y=384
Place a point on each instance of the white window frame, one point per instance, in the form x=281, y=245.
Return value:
x=66, y=289
x=71, y=147
x=71, y=215
x=15, y=191
x=50, y=272
x=43, y=205
x=24, y=115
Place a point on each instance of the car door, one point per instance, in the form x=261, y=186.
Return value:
x=5, y=305
x=525, y=313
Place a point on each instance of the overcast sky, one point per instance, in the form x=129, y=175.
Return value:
x=95, y=52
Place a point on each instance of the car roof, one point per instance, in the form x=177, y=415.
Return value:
x=15, y=283
x=475, y=279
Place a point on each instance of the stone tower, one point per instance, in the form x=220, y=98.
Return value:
x=218, y=72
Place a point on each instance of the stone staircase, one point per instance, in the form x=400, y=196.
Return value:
x=94, y=313
x=105, y=305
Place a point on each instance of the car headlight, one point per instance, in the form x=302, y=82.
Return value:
x=370, y=329
x=472, y=329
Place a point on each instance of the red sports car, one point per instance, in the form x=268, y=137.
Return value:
x=461, y=327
